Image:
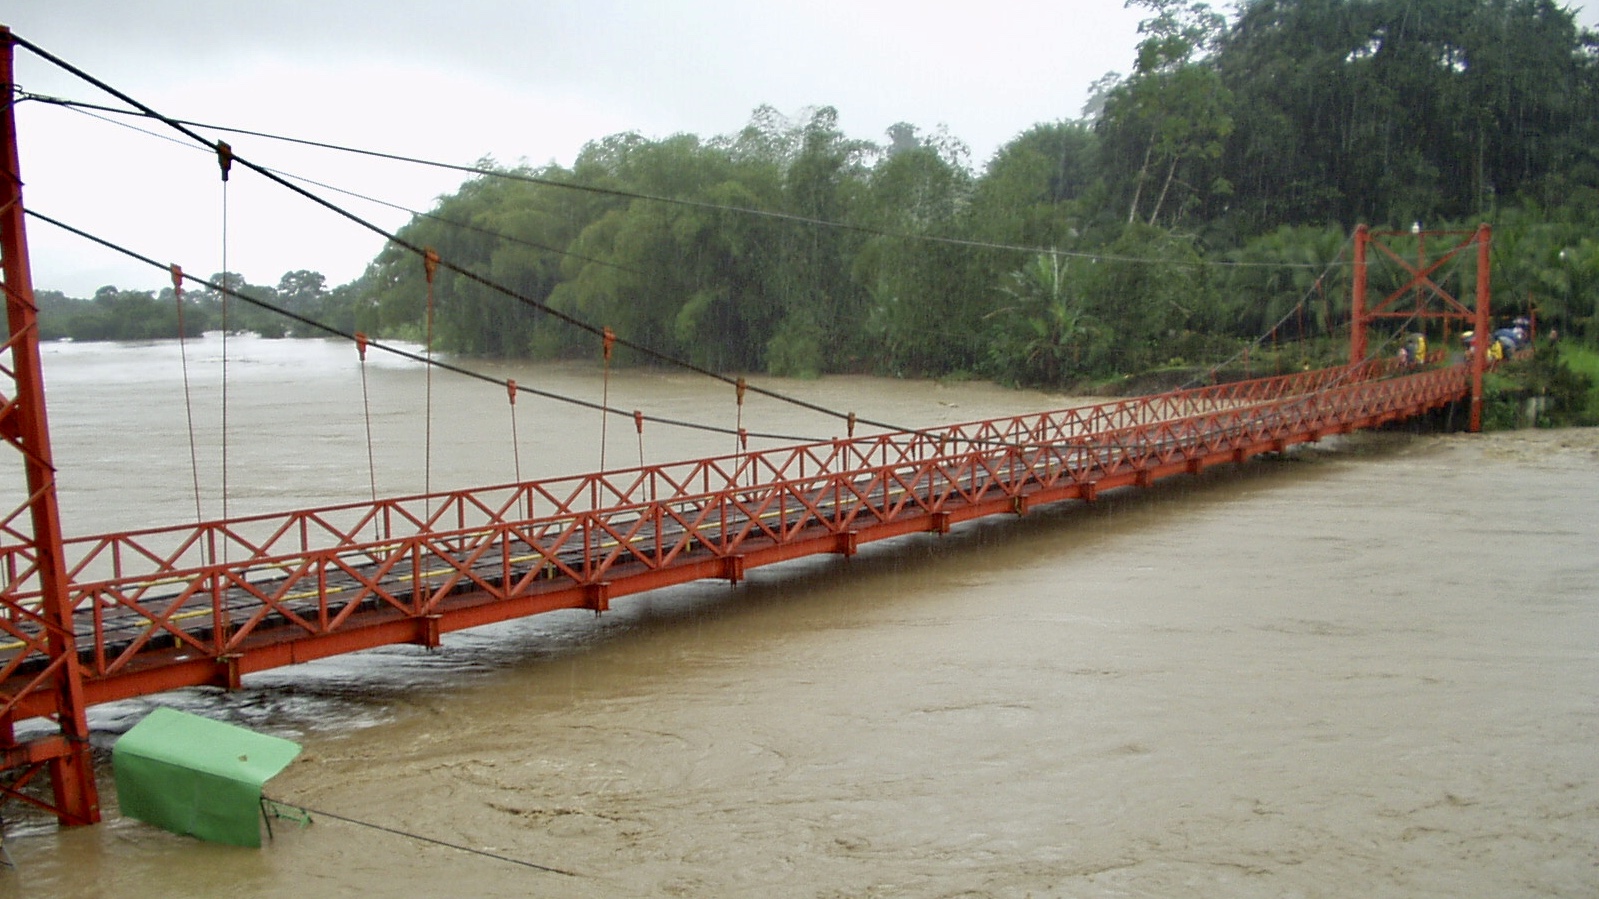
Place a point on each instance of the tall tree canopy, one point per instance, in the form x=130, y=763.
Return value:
x=1173, y=114
x=1405, y=110
x=1207, y=196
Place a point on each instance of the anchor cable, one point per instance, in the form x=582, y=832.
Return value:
x=559, y=315
x=427, y=839
x=567, y=318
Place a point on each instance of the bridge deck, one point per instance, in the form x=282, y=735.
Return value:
x=209, y=603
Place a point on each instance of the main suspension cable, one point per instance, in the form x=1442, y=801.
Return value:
x=405, y=354
x=571, y=320
x=567, y=318
x=82, y=108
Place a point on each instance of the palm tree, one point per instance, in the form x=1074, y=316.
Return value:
x=1041, y=335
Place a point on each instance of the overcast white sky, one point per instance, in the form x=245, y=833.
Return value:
x=459, y=80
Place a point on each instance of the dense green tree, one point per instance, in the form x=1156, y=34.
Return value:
x=1150, y=286
x=1291, y=279
x=1029, y=195
x=301, y=290
x=116, y=314
x=685, y=277
x=227, y=306
x=1172, y=115
x=809, y=278
x=924, y=296
x=1404, y=110
x=506, y=231
x=1204, y=197
x=1044, y=332
x=1549, y=268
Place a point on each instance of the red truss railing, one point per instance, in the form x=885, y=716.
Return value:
x=207, y=603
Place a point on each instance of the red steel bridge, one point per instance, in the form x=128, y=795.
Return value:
x=86, y=620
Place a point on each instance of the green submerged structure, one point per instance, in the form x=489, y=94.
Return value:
x=197, y=777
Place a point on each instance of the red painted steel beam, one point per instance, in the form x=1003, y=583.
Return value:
x=67, y=754
x=1421, y=277
x=1420, y=280
x=425, y=568
x=1483, y=324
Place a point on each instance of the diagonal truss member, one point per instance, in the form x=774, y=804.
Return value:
x=1432, y=301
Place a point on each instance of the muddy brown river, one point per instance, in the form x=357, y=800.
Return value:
x=1370, y=668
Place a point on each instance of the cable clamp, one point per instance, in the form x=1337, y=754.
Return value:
x=224, y=158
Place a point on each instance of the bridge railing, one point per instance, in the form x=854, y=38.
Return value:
x=210, y=588
x=149, y=552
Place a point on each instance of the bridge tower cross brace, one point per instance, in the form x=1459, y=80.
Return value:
x=1421, y=283
x=47, y=663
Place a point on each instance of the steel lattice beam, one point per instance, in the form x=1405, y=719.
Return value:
x=45, y=627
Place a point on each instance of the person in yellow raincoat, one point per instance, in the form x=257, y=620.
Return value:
x=1495, y=351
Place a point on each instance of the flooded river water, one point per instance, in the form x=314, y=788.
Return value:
x=1368, y=669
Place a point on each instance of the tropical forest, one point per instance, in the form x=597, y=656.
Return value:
x=1196, y=214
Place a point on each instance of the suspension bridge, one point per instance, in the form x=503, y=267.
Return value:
x=93, y=619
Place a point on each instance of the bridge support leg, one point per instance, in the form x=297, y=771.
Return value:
x=229, y=677
x=848, y=543
x=1483, y=323
x=427, y=631
x=52, y=643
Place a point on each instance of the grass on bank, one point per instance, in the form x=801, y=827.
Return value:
x=1584, y=360
x=1565, y=376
